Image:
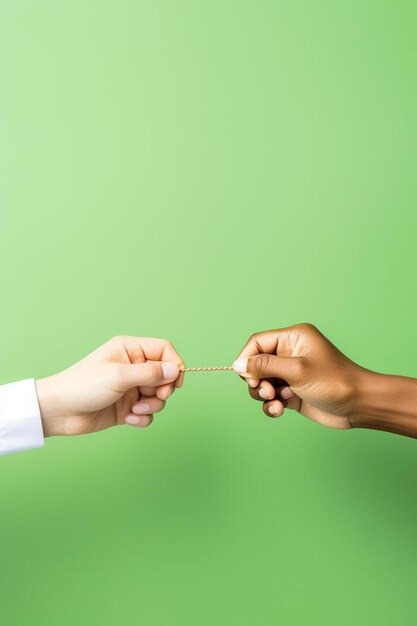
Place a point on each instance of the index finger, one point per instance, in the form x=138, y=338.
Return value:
x=170, y=354
x=142, y=349
x=281, y=341
x=151, y=349
x=258, y=343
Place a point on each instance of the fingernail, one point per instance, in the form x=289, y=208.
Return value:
x=273, y=410
x=132, y=420
x=263, y=393
x=140, y=408
x=252, y=382
x=240, y=366
x=170, y=371
x=286, y=393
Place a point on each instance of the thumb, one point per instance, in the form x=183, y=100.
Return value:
x=149, y=374
x=271, y=366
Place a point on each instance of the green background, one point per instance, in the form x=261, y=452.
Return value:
x=200, y=171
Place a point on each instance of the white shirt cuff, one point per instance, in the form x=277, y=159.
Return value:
x=20, y=417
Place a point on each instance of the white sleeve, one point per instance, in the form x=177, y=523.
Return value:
x=20, y=417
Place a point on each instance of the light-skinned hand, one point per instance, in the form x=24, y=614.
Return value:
x=125, y=381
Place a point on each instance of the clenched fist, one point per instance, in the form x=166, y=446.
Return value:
x=298, y=368
x=125, y=381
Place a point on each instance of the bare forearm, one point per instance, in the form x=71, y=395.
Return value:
x=387, y=403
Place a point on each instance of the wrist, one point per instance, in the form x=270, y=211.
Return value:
x=386, y=403
x=48, y=405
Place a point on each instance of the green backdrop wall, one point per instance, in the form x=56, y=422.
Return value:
x=201, y=171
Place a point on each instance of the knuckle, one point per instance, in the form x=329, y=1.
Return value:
x=170, y=345
x=154, y=370
x=262, y=363
x=117, y=340
x=307, y=327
